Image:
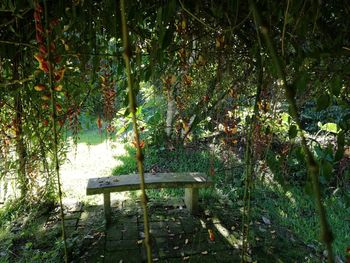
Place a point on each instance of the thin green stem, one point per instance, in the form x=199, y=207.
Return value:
x=249, y=162
x=132, y=106
x=55, y=136
x=313, y=167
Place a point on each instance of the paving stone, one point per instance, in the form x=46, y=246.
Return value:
x=228, y=256
x=112, y=245
x=191, y=225
x=92, y=257
x=127, y=219
x=163, y=229
x=125, y=256
x=176, y=235
x=114, y=232
x=95, y=249
x=195, y=258
x=175, y=227
x=159, y=232
x=130, y=231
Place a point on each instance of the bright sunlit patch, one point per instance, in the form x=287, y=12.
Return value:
x=231, y=238
x=290, y=197
x=203, y=223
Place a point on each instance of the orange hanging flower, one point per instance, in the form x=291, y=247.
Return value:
x=59, y=74
x=43, y=65
x=211, y=235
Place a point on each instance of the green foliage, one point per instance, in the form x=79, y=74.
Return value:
x=178, y=160
x=296, y=211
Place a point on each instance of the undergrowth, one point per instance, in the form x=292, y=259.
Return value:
x=290, y=209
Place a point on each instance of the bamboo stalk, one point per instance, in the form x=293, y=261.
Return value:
x=313, y=167
x=132, y=106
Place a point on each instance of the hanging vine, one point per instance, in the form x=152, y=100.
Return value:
x=248, y=161
x=132, y=106
x=49, y=64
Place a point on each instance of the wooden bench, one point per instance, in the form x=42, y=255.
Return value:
x=190, y=181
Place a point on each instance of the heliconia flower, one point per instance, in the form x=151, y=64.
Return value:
x=58, y=88
x=43, y=50
x=45, y=106
x=39, y=28
x=37, y=17
x=45, y=122
x=61, y=122
x=39, y=57
x=54, y=22
x=38, y=8
x=58, y=107
x=59, y=75
x=99, y=123
x=43, y=65
x=39, y=38
x=211, y=235
x=52, y=46
x=39, y=87
x=45, y=97
x=58, y=59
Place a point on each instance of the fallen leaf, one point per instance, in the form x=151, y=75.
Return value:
x=211, y=235
x=266, y=220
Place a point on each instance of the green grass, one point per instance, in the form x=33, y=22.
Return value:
x=163, y=160
x=91, y=137
x=295, y=210
x=31, y=242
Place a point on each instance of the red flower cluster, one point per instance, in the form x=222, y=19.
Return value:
x=49, y=65
x=41, y=36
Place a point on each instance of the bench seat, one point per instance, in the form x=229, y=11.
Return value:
x=190, y=181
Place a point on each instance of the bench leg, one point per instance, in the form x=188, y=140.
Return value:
x=191, y=200
x=107, y=207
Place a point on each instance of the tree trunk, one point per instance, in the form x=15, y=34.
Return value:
x=170, y=115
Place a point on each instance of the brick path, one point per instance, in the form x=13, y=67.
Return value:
x=177, y=236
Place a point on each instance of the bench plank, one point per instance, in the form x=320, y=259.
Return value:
x=152, y=181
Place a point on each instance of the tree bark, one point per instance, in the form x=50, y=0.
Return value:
x=170, y=115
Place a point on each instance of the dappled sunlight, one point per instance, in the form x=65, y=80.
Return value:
x=290, y=197
x=230, y=237
x=88, y=161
